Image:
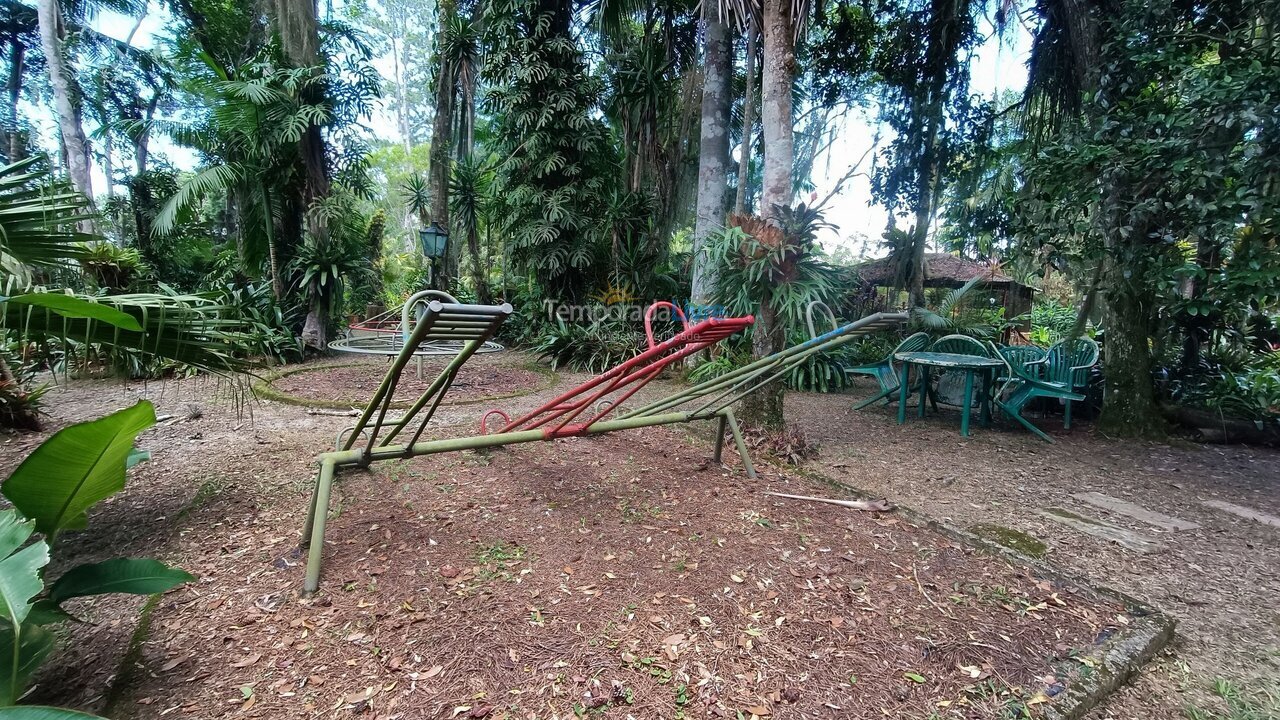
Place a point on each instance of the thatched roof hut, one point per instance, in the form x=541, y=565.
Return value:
x=942, y=270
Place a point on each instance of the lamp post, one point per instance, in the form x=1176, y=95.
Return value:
x=435, y=242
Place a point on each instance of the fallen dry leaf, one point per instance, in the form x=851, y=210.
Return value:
x=247, y=661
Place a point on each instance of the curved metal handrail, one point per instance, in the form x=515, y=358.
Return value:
x=808, y=317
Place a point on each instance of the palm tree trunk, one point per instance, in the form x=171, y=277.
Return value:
x=748, y=124
x=73, y=138
x=713, y=152
x=402, y=113
x=440, y=159
x=764, y=408
x=775, y=108
x=108, y=162
x=269, y=226
x=17, y=55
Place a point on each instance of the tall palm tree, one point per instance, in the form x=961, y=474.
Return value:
x=469, y=199
x=783, y=22
x=250, y=129
x=748, y=117
x=713, y=150
x=74, y=141
x=441, y=154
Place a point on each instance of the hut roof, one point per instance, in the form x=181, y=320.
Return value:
x=941, y=270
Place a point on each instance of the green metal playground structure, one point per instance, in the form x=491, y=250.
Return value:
x=592, y=408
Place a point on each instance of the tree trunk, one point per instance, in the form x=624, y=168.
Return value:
x=298, y=25
x=748, y=124
x=74, y=141
x=764, y=408
x=402, y=113
x=440, y=158
x=713, y=152
x=1129, y=407
x=269, y=226
x=483, y=296
x=108, y=162
x=13, y=144
x=775, y=107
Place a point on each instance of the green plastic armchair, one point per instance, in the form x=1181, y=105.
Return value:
x=961, y=345
x=1067, y=365
x=1022, y=387
x=885, y=372
x=1024, y=355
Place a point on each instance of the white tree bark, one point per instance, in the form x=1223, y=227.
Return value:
x=73, y=138
x=748, y=123
x=713, y=151
x=775, y=109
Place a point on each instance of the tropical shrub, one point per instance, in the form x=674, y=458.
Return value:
x=593, y=347
x=1051, y=321
x=51, y=492
x=112, y=268
x=1249, y=391
x=19, y=400
x=958, y=312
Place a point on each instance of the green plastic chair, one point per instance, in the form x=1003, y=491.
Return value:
x=1022, y=387
x=960, y=344
x=885, y=372
x=1024, y=355
x=1067, y=365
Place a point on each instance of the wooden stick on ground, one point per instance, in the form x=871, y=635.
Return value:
x=870, y=505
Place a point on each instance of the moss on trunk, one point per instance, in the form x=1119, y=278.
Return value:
x=1129, y=408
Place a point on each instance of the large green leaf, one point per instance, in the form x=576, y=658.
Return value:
x=36, y=712
x=71, y=306
x=34, y=647
x=76, y=468
x=19, y=571
x=136, y=576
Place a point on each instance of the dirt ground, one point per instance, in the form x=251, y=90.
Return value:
x=342, y=381
x=610, y=573
x=1220, y=581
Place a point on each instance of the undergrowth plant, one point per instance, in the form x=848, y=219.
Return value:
x=52, y=492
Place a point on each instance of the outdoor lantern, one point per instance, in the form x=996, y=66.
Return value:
x=434, y=240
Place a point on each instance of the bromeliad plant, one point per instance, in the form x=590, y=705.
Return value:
x=51, y=492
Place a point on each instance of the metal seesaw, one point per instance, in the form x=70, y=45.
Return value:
x=593, y=401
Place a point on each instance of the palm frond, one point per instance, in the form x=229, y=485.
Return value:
x=38, y=218
x=188, y=329
x=216, y=178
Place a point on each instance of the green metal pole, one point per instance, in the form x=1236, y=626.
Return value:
x=454, y=365
x=788, y=357
x=320, y=515
x=742, y=446
x=330, y=462
x=968, y=403
x=389, y=382
x=721, y=426
x=904, y=392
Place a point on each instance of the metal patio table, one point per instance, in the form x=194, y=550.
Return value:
x=969, y=364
